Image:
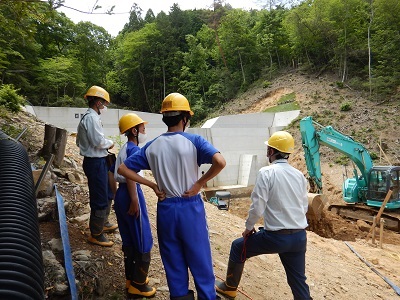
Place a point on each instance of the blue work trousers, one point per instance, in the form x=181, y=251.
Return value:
x=135, y=232
x=96, y=171
x=291, y=249
x=184, y=244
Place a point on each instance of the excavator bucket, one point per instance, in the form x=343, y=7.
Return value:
x=316, y=203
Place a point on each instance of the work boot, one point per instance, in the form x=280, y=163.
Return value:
x=189, y=296
x=100, y=240
x=139, y=286
x=128, y=282
x=228, y=288
x=129, y=264
x=109, y=227
x=96, y=224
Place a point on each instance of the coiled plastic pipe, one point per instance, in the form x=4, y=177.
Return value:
x=21, y=263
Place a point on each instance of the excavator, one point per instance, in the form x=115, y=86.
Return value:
x=362, y=193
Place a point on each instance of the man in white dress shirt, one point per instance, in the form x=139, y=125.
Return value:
x=280, y=197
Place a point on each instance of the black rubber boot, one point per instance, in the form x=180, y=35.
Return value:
x=228, y=288
x=129, y=264
x=96, y=224
x=109, y=227
x=188, y=296
x=139, y=280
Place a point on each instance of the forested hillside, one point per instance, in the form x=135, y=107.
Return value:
x=211, y=56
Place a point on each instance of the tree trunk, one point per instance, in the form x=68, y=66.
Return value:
x=241, y=67
x=369, y=47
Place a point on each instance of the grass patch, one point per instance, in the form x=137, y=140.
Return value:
x=284, y=107
x=288, y=98
x=10, y=130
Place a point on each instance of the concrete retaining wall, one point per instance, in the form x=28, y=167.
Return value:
x=240, y=138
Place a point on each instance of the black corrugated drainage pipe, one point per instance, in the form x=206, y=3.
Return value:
x=21, y=264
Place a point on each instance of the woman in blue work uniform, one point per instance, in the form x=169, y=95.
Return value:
x=130, y=209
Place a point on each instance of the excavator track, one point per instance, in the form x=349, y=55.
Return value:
x=366, y=214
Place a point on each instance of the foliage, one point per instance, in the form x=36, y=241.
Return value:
x=61, y=76
x=10, y=99
x=10, y=130
x=342, y=160
x=266, y=84
x=345, y=106
x=373, y=155
x=211, y=56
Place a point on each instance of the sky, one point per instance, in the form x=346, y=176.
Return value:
x=114, y=23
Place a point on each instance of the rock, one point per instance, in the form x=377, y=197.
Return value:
x=375, y=261
x=78, y=176
x=99, y=287
x=46, y=208
x=68, y=163
x=153, y=281
x=61, y=289
x=71, y=177
x=53, y=268
x=162, y=289
x=80, y=219
x=56, y=245
x=59, y=172
x=363, y=226
x=46, y=187
x=82, y=252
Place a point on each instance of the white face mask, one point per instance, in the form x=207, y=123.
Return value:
x=142, y=137
x=103, y=110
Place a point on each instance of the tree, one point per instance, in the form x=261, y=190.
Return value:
x=61, y=76
x=133, y=59
x=91, y=44
x=55, y=34
x=273, y=42
x=18, y=48
x=239, y=45
x=136, y=21
x=385, y=51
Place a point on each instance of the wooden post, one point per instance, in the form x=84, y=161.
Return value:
x=373, y=230
x=378, y=216
x=49, y=140
x=59, y=146
x=382, y=223
x=55, y=141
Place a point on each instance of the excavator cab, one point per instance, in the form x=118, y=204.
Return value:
x=381, y=179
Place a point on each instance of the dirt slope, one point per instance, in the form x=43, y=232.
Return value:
x=333, y=270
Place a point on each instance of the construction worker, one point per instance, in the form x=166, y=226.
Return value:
x=174, y=159
x=93, y=147
x=280, y=196
x=130, y=209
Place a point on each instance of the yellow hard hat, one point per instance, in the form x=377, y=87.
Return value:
x=175, y=102
x=97, y=91
x=128, y=121
x=281, y=141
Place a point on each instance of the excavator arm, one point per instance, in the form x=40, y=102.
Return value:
x=311, y=145
x=328, y=136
